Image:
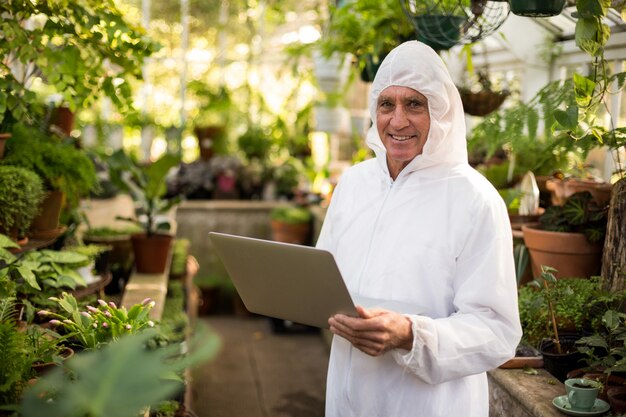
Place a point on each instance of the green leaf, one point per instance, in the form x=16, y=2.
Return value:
x=118, y=380
x=567, y=119
x=28, y=276
x=583, y=89
x=6, y=242
x=65, y=257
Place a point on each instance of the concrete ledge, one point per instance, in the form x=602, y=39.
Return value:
x=138, y=294
x=514, y=393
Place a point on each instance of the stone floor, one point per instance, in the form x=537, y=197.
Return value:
x=259, y=373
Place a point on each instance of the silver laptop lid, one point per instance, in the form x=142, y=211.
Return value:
x=290, y=282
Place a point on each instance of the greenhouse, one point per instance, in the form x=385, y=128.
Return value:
x=273, y=208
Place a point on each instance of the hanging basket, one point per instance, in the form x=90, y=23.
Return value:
x=440, y=32
x=483, y=102
x=537, y=8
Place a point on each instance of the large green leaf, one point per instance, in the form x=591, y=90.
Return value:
x=117, y=380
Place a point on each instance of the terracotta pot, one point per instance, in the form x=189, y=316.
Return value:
x=207, y=138
x=151, y=252
x=561, y=190
x=519, y=220
x=121, y=248
x=42, y=368
x=4, y=137
x=48, y=218
x=569, y=253
x=298, y=234
x=617, y=399
x=63, y=118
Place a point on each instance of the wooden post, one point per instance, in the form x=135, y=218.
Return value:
x=614, y=254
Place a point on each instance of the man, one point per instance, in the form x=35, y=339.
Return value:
x=417, y=228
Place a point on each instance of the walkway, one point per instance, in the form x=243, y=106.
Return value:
x=259, y=373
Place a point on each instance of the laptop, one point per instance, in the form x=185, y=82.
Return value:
x=297, y=283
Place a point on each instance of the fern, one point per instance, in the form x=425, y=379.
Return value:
x=15, y=366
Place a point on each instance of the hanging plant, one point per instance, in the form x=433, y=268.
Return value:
x=580, y=120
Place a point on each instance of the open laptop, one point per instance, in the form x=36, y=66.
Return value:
x=298, y=283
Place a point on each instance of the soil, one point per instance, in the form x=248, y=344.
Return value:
x=584, y=386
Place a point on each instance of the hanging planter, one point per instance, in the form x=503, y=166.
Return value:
x=537, y=8
x=440, y=32
x=485, y=100
x=482, y=102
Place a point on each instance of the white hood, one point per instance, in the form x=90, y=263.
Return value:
x=417, y=66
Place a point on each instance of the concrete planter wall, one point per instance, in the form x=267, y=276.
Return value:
x=196, y=218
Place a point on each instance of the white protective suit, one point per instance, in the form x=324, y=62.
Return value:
x=439, y=238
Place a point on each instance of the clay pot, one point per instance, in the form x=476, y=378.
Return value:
x=561, y=190
x=298, y=234
x=4, y=137
x=569, y=253
x=42, y=368
x=151, y=252
x=46, y=223
x=617, y=399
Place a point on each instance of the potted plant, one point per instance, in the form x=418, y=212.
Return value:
x=604, y=351
x=146, y=184
x=559, y=351
x=291, y=224
x=569, y=237
x=67, y=174
x=481, y=98
x=438, y=23
x=92, y=327
x=211, y=118
x=366, y=29
x=21, y=192
x=535, y=8
x=120, y=258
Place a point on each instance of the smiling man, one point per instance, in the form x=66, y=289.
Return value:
x=418, y=229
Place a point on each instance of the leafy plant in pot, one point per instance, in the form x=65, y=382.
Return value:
x=147, y=186
x=604, y=349
x=560, y=354
x=367, y=29
x=291, y=224
x=121, y=258
x=569, y=237
x=67, y=174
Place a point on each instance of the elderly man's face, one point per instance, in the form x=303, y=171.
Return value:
x=403, y=122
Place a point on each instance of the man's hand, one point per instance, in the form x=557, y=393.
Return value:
x=375, y=332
